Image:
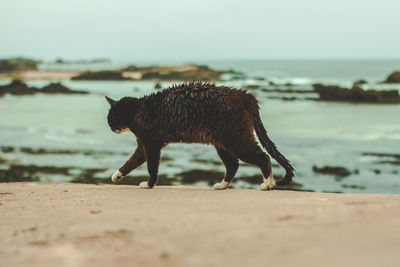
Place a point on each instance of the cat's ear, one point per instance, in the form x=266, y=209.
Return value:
x=111, y=101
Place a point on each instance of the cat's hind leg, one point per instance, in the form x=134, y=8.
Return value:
x=247, y=149
x=231, y=165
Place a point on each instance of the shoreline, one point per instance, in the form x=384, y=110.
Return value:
x=62, y=224
x=41, y=75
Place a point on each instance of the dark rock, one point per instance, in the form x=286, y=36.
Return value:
x=82, y=61
x=393, y=78
x=289, y=98
x=7, y=149
x=157, y=85
x=381, y=155
x=194, y=176
x=355, y=94
x=285, y=91
x=238, y=77
x=44, y=151
x=252, y=86
x=60, y=61
x=377, y=171
x=20, y=173
x=388, y=158
x=57, y=88
x=17, y=87
x=337, y=171
x=285, y=98
x=353, y=186
x=360, y=82
x=17, y=64
x=101, y=75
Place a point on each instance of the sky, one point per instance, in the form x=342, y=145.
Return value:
x=200, y=29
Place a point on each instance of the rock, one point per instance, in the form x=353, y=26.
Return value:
x=176, y=73
x=60, y=61
x=17, y=87
x=17, y=64
x=100, y=75
x=337, y=171
x=393, y=78
x=157, y=85
x=57, y=88
x=355, y=94
x=252, y=86
x=360, y=82
x=132, y=68
x=285, y=91
x=82, y=61
x=238, y=77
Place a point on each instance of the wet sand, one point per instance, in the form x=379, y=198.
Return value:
x=46, y=224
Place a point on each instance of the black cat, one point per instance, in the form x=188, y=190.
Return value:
x=196, y=112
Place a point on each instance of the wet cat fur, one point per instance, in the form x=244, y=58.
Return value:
x=196, y=112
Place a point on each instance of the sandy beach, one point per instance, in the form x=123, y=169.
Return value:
x=37, y=75
x=50, y=224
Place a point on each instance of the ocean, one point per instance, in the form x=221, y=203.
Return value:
x=63, y=138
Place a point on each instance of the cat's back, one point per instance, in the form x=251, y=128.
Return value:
x=193, y=95
x=195, y=102
x=190, y=112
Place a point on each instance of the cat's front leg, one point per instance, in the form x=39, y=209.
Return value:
x=117, y=176
x=133, y=162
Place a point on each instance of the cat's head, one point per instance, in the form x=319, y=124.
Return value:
x=117, y=116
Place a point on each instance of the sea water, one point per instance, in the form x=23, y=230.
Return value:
x=358, y=137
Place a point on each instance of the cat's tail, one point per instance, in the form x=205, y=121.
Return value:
x=270, y=146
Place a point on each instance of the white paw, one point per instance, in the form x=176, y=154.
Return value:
x=117, y=176
x=268, y=184
x=222, y=185
x=144, y=185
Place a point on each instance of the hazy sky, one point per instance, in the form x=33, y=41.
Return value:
x=200, y=29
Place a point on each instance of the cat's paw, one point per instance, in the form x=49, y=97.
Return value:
x=144, y=185
x=222, y=185
x=268, y=184
x=117, y=176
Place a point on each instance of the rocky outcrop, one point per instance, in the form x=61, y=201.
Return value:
x=17, y=64
x=57, y=88
x=393, y=78
x=101, y=75
x=176, y=73
x=159, y=73
x=333, y=170
x=355, y=94
x=360, y=82
x=82, y=61
x=17, y=87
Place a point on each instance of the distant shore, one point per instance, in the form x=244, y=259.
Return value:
x=55, y=224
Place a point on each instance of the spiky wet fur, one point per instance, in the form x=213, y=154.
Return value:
x=197, y=112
